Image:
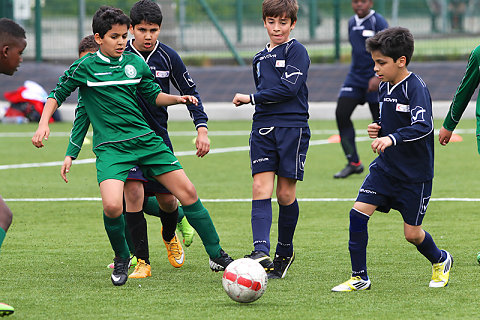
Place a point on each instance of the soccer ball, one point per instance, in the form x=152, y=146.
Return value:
x=244, y=280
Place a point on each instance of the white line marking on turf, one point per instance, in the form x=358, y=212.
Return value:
x=231, y=200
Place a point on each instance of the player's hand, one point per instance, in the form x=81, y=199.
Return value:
x=240, y=99
x=373, y=84
x=380, y=144
x=202, y=143
x=42, y=133
x=67, y=163
x=189, y=100
x=373, y=129
x=444, y=136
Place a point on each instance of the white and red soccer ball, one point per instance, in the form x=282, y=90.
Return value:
x=244, y=280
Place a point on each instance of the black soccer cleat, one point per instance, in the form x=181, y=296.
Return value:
x=220, y=263
x=120, y=271
x=281, y=265
x=262, y=258
x=349, y=170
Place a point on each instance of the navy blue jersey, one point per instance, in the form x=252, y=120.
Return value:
x=359, y=30
x=406, y=117
x=167, y=67
x=280, y=76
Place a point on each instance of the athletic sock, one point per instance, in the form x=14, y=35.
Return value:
x=115, y=228
x=137, y=228
x=347, y=136
x=169, y=223
x=429, y=249
x=2, y=236
x=200, y=220
x=261, y=223
x=181, y=214
x=287, y=222
x=128, y=237
x=150, y=206
x=357, y=244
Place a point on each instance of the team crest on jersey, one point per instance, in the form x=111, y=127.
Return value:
x=130, y=71
x=402, y=107
x=280, y=63
x=417, y=114
x=162, y=74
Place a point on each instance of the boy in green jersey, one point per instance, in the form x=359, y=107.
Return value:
x=12, y=44
x=108, y=82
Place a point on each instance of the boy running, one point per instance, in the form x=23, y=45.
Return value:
x=401, y=176
x=108, y=81
x=280, y=134
x=12, y=45
x=361, y=84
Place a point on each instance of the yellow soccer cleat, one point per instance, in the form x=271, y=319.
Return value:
x=176, y=256
x=142, y=270
x=441, y=272
x=5, y=309
x=354, y=284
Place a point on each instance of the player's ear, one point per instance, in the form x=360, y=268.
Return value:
x=402, y=61
x=292, y=26
x=131, y=29
x=98, y=39
x=4, y=51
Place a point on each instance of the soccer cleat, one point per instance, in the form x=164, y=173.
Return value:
x=176, y=256
x=220, y=263
x=133, y=263
x=354, y=284
x=120, y=271
x=348, y=170
x=280, y=266
x=441, y=272
x=263, y=259
x=187, y=231
x=142, y=270
x=5, y=309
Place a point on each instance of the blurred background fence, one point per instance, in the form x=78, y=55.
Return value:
x=208, y=32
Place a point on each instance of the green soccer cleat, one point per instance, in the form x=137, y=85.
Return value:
x=353, y=284
x=441, y=272
x=187, y=231
x=5, y=310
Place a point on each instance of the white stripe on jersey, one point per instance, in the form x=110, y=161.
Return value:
x=112, y=83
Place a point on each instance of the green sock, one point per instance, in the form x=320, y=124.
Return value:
x=128, y=237
x=181, y=214
x=116, y=234
x=150, y=206
x=200, y=220
x=2, y=236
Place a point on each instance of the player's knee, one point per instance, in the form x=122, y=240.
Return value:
x=285, y=197
x=112, y=209
x=413, y=238
x=168, y=203
x=6, y=217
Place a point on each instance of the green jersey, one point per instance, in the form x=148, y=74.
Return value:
x=464, y=93
x=79, y=130
x=108, y=87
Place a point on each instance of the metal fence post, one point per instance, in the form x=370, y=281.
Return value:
x=38, y=31
x=239, y=15
x=6, y=9
x=81, y=19
x=312, y=17
x=336, y=10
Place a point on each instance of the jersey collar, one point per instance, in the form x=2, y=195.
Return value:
x=105, y=58
x=359, y=21
x=389, y=90
x=267, y=47
x=157, y=43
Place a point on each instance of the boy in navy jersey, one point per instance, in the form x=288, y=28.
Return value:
x=12, y=45
x=401, y=176
x=280, y=134
x=361, y=84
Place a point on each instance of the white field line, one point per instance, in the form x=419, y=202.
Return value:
x=233, y=200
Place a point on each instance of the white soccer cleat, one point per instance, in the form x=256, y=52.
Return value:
x=441, y=272
x=354, y=284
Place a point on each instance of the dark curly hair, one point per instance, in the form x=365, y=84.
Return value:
x=392, y=42
x=106, y=17
x=146, y=11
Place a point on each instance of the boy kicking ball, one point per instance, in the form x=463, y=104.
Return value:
x=401, y=176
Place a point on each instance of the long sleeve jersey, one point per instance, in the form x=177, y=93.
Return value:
x=464, y=93
x=359, y=30
x=280, y=75
x=108, y=87
x=406, y=117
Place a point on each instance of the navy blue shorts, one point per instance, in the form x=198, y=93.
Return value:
x=279, y=149
x=359, y=93
x=388, y=192
x=150, y=187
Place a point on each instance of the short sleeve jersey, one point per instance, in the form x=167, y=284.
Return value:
x=406, y=117
x=280, y=75
x=108, y=87
x=359, y=30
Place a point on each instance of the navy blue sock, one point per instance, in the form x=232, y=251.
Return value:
x=347, y=136
x=429, y=249
x=261, y=224
x=287, y=222
x=357, y=245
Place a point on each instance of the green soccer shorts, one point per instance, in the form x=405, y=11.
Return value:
x=149, y=152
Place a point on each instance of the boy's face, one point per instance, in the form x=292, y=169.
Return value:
x=145, y=34
x=362, y=7
x=278, y=29
x=114, y=41
x=11, y=56
x=388, y=70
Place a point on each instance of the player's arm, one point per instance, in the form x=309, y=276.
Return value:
x=373, y=84
x=464, y=93
x=164, y=99
x=43, y=130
